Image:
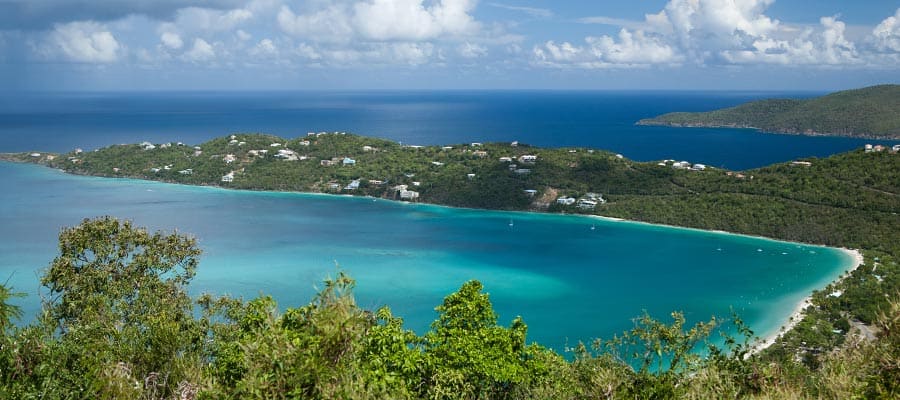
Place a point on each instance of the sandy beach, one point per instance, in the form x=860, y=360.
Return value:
x=797, y=315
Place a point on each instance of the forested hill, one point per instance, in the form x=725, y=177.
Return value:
x=100, y=339
x=872, y=112
x=822, y=201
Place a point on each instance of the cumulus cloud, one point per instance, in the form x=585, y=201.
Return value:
x=887, y=34
x=717, y=32
x=265, y=48
x=171, y=40
x=84, y=41
x=382, y=20
x=200, y=52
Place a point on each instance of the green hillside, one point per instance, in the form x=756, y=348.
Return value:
x=119, y=322
x=869, y=112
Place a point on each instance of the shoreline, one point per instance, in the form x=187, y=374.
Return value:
x=758, y=345
x=799, y=310
x=866, y=136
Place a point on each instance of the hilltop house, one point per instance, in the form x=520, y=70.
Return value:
x=528, y=158
x=229, y=177
x=566, y=201
x=348, y=161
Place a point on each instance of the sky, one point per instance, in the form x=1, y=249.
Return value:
x=108, y=45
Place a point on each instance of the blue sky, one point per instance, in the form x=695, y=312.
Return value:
x=447, y=44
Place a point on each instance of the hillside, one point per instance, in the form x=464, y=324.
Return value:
x=847, y=200
x=872, y=112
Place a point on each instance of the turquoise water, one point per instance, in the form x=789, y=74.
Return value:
x=568, y=281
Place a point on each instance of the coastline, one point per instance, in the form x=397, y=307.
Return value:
x=886, y=138
x=797, y=315
x=758, y=345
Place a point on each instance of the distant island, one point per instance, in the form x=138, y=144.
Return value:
x=872, y=112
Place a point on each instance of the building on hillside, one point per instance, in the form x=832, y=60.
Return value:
x=408, y=195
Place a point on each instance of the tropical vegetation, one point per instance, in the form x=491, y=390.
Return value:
x=868, y=112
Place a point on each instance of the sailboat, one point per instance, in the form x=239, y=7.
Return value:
x=510, y=222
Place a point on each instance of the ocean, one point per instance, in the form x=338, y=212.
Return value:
x=63, y=121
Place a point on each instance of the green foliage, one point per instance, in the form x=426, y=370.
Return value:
x=117, y=320
x=873, y=111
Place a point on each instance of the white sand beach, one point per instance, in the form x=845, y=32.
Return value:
x=797, y=315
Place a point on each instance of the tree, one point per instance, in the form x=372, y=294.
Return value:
x=118, y=308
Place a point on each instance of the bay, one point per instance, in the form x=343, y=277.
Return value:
x=568, y=281
x=60, y=122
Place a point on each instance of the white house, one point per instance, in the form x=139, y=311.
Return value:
x=528, y=158
x=586, y=204
x=470, y=176
x=409, y=195
x=229, y=158
x=566, y=201
x=530, y=192
x=505, y=159
x=147, y=146
x=437, y=163
x=188, y=171
x=698, y=167
x=348, y=161
x=229, y=177
x=354, y=184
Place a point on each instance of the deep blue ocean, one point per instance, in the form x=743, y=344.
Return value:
x=568, y=281
x=605, y=120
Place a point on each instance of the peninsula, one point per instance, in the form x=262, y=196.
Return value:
x=872, y=112
x=849, y=200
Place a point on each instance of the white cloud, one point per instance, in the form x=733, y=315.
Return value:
x=196, y=19
x=171, y=40
x=243, y=35
x=471, y=50
x=887, y=34
x=308, y=52
x=383, y=20
x=265, y=47
x=532, y=11
x=201, y=51
x=632, y=48
x=718, y=32
x=84, y=41
x=329, y=24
